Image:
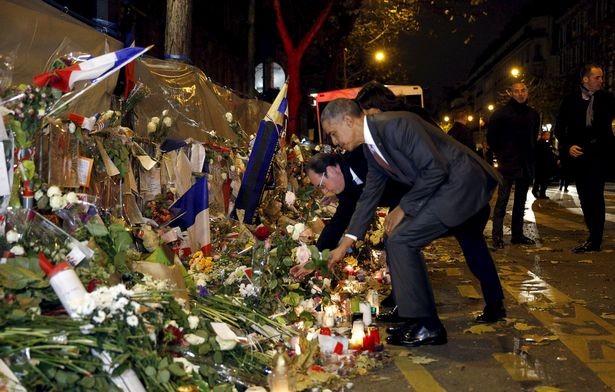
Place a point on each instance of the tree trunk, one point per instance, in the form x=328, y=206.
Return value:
x=178, y=33
x=294, y=56
x=251, y=47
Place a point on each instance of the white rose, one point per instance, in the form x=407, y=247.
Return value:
x=167, y=122
x=38, y=194
x=132, y=320
x=165, y=112
x=290, y=198
x=151, y=127
x=72, y=127
x=12, y=236
x=107, y=115
x=57, y=202
x=290, y=229
x=193, y=339
x=71, y=197
x=17, y=250
x=229, y=116
x=303, y=254
x=54, y=191
x=193, y=321
x=297, y=230
x=155, y=120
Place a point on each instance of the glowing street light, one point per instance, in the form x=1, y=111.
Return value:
x=446, y=119
x=470, y=118
x=515, y=72
x=379, y=56
x=490, y=107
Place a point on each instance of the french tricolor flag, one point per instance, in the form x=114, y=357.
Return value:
x=96, y=69
x=193, y=215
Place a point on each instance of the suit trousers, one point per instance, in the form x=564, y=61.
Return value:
x=590, y=180
x=411, y=287
x=499, y=211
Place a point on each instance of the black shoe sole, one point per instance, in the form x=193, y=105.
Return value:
x=435, y=341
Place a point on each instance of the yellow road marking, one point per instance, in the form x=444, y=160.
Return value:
x=468, y=291
x=416, y=375
x=454, y=272
x=518, y=368
x=588, y=336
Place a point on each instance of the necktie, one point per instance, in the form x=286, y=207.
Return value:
x=379, y=159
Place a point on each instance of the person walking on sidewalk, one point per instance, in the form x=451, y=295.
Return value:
x=545, y=165
x=450, y=190
x=512, y=135
x=583, y=128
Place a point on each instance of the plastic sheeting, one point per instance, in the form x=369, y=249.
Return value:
x=197, y=104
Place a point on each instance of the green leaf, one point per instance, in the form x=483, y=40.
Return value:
x=150, y=371
x=204, y=348
x=16, y=277
x=88, y=382
x=177, y=370
x=218, y=357
x=97, y=229
x=163, y=364
x=163, y=376
x=272, y=284
x=314, y=252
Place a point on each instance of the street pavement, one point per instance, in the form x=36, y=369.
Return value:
x=560, y=331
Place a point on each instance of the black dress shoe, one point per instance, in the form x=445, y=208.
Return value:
x=523, y=240
x=587, y=246
x=396, y=330
x=492, y=314
x=390, y=317
x=418, y=335
x=498, y=243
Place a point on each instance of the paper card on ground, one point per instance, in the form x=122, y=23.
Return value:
x=84, y=171
x=149, y=182
x=223, y=331
x=5, y=187
x=3, y=134
x=197, y=157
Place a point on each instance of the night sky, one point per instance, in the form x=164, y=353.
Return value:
x=437, y=56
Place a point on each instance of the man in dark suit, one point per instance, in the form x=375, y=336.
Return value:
x=460, y=131
x=584, y=131
x=449, y=192
x=512, y=133
x=344, y=175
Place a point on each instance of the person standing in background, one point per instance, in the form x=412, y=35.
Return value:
x=511, y=136
x=459, y=131
x=586, y=140
x=545, y=165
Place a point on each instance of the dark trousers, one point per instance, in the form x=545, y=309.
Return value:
x=499, y=211
x=411, y=288
x=590, y=186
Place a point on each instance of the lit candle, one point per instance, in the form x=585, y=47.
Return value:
x=357, y=335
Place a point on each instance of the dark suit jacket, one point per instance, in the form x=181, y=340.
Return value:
x=463, y=135
x=441, y=173
x=347, y=199
x=511, y=135
x=597, y=141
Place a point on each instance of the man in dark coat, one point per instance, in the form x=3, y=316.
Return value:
x=449, y=191
x=513, y=130
x=583, y=128
x=459, y=131
x=344, y=175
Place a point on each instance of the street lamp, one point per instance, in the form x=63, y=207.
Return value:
x=515, y=72
x=379, y=56
x=446, y=119
x=490, y=107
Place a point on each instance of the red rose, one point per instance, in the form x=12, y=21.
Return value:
x=262, y=232
x=92, y=285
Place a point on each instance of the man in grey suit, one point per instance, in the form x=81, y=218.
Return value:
x=450, y=189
